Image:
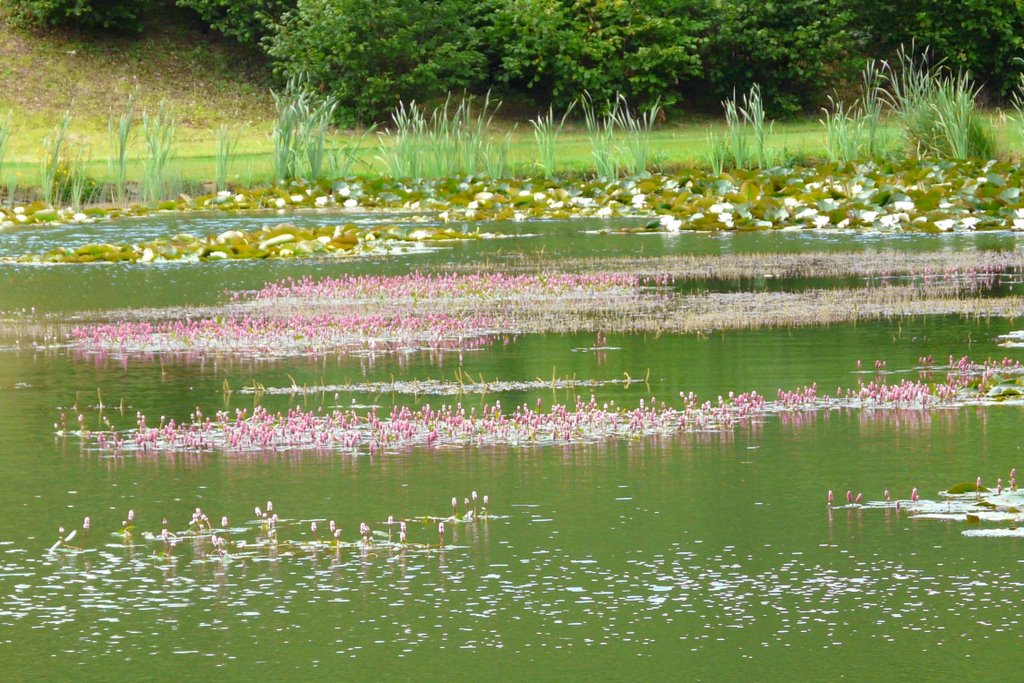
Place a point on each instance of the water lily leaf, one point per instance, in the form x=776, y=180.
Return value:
x=965, y=487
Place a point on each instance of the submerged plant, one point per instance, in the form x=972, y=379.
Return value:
x=159, y=134
x=119, y=131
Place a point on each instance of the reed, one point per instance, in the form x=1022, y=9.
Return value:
x=601, y=133
x=636, y=131
x=158, y=130
x=53, y=149
x=717, y=152
x=844, y=133
x=401, y=148
x=872, y=102
x=546, y=132
x=227, y=142
x=495, y=158
x=737, y=134
x=314, y=118
x=78, y=186
x=754, y=116
x=5, y=136
x=119, y=132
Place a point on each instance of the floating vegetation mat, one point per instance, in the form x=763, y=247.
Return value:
x=965, y=383
x=985, y=509
x=913, y=195
x=378, y=314
x=282, y=241
x=268, y=533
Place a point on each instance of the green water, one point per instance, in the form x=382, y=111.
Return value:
x=696, y=557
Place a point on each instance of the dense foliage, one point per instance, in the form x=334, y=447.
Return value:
x=372, y=53
x=116, y=15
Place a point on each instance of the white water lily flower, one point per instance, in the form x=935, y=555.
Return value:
x=905, y=205
x=670, y=223
x=344, y=191
x=868, y=216
x=723, y=207
x=889, y=220
x=223, y=194
x=725, y=218
x=671, y=184
x=843, y=223
x=444, y=216
x=79, y=217
x=969, y=222
x=821, y=221
x=789, y=202
x=320, y=201
x=945, y=224
x=21, y=218
x=280, y=202
x=584, y=201
x=524, y=193
x=639, y=199
x=296, y=198
x=539, y=197
x=239, y=197
x=18, y=210
x=473, y=205
x=856, y=188
x=1018, y=223
x=484, y=196
x=805, y=212
x=419, y=234
x=470, y=213
x=350, y=203
x=696, y=217
x=604, y=211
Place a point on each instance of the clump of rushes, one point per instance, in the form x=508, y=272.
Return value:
x=473, y=132
x=937, y=108
x=843, y=133
x=636, y=130
x=495, y=157
x=120, y=131
x=53, y=147
x=79, y=186
x=227, y=141
x=300, y=130
x=402, y=146
x=546, y=133
x=872, y=101
x=717, y=152
x=340, y=159
x=754, y=116
x=737, y=134
x=159, y=133
x=601, y=133
x=5, y=136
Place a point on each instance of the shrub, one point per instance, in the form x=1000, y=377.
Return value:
x=119, y=15
x=796, y=50
x=247, y=21
x=373, y=54
x=558, y=49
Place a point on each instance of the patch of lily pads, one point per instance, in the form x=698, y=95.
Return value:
x=911, y=195
x=281, y=241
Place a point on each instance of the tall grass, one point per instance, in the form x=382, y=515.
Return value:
x=872, y=102
x=545, y=134
x=300, y=130
x=5, y=136
x=717, y=152
x=936, y=108
x=453, y=140
x=601, y=133
x=636, y=132
x=53, y=149
x=341, y=159
x=159, y=131
x=119, y=132
x=496, y=155
x=844, y=133
x=227, y=142
x=737, y=135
